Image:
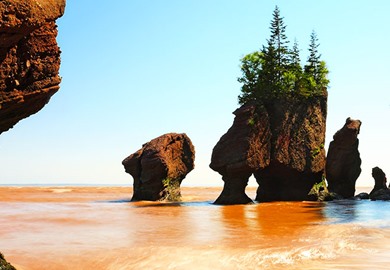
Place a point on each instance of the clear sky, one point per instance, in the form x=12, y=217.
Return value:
x=134, y=70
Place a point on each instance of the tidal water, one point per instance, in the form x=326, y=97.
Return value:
x=99, y=228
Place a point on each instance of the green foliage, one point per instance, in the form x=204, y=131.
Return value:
x=171, y=190
x=251, y=122
x=320, y=191
x=276, y=71
x=316, y=151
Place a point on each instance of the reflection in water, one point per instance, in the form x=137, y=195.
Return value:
x=97, y=228
x=267, y=224
x=343, y=211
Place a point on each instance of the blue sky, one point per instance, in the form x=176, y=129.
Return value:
x=134, y=70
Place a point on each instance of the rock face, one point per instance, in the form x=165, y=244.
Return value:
x=343, y=160
x=159, y=167
x=29, y=57
x=281, y=144
x=243, y=150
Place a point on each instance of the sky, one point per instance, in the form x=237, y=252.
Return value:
x=134, y=70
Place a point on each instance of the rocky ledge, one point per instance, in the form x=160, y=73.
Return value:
x=160, y=166
x=281, y=143
x=29, y=57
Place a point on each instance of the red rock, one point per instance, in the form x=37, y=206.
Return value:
x=244, y=149
x=281, y=144
x=29, y=57
x=297, y=149
x=170, y=156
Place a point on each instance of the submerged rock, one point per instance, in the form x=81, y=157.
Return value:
x=29, y=57
x=362, y=196
x=343, y=160
x=281, y=143
x=4, y=265
x=159, y=167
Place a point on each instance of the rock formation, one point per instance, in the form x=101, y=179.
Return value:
x=159, y=167
x=380, y=190
x=4, y=265
x=281, y=143
x=241, y=151
x=343, y=160
x=29, y=57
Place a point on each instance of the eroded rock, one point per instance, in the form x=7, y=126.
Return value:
x=343, y=159
x=241, y=151
x=283, y=149
x=297, y=150
x=159, y=167
x=29, y=57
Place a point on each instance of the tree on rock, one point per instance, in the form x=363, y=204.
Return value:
x=315, y=69
x=278, y=42
x=275, y=71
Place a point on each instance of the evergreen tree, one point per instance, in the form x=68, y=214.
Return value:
x=294, y=74
x=279, y=43
x=268, y=77
x=314, y=58
x=275, y=71
x=315, y=70
x=295, y=59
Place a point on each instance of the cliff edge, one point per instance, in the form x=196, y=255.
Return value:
x=29, y=57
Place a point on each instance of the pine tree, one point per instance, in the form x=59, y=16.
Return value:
x=295, y=59
x=275, y=71
x=314, y=58
x=315, y=71
x=268, y=77
x=279, y=42
x=294, y=73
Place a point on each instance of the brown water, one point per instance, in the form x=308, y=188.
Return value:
x=98, y=228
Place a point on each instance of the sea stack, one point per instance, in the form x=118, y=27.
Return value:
x=243, y=150
x=160, y=166
x=29, y=57
x=380, y=190
x=280, y=142
x=343, y=159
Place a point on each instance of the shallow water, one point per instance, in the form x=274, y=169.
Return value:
x=98, y=228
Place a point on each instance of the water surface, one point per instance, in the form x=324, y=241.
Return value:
x=98, y=228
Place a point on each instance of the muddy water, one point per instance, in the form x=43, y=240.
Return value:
x=98, y=228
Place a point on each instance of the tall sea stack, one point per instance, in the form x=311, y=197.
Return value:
x=281, y=143
x=343, y=160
